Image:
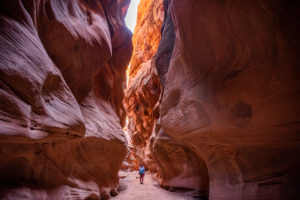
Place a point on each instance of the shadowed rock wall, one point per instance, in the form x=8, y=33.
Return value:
x=62, y=75
x=230, y=98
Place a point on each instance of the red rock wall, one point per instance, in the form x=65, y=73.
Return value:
x=62, y=75
x=147, y=33
x=130, y=163
x=144, y=88
x=140, y=99
x=229, y=109
x=231, y=94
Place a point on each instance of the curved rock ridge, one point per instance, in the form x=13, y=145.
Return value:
x=227, y=119
x=63, y=67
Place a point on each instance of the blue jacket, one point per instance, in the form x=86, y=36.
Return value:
x=142, y=170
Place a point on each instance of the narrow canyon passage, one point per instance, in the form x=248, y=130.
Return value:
x=210, y=104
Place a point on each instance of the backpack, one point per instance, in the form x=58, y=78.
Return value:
x=142, y=170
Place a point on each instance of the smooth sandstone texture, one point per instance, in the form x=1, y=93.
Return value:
x=232, y=94
x=62, y=75
x=229, y=108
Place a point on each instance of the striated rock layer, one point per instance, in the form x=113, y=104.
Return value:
x=227, y=120
x=62, y=76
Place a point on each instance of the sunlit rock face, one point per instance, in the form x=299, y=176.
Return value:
x=130, y=163
x=141, y=97
x=147, y=35
x=227, y=121
x=175, y=165
x=144, y=88
x=62, y=75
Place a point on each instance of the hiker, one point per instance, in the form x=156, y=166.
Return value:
x=142, y=173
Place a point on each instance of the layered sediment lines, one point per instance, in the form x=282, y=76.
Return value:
x=227, y=119
x=62, y=75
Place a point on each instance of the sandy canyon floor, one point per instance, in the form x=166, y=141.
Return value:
x=150, y=190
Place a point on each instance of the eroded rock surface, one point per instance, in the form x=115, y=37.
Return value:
x=140, y=99
x=144, y=88
x=62, y=75
x=147, y=33
x=229, y=107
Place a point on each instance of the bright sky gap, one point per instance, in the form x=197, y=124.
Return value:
x=130, y=18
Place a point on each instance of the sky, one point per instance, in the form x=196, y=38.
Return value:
x=130, y=18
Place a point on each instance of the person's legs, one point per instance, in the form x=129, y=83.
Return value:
x=142, y=176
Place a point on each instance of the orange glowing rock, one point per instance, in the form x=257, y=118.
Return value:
x=146, y=35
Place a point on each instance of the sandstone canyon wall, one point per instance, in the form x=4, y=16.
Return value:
x=144, y=88
x=227, y=119
x=62, y=75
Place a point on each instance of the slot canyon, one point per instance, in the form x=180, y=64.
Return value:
x=204, y=94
